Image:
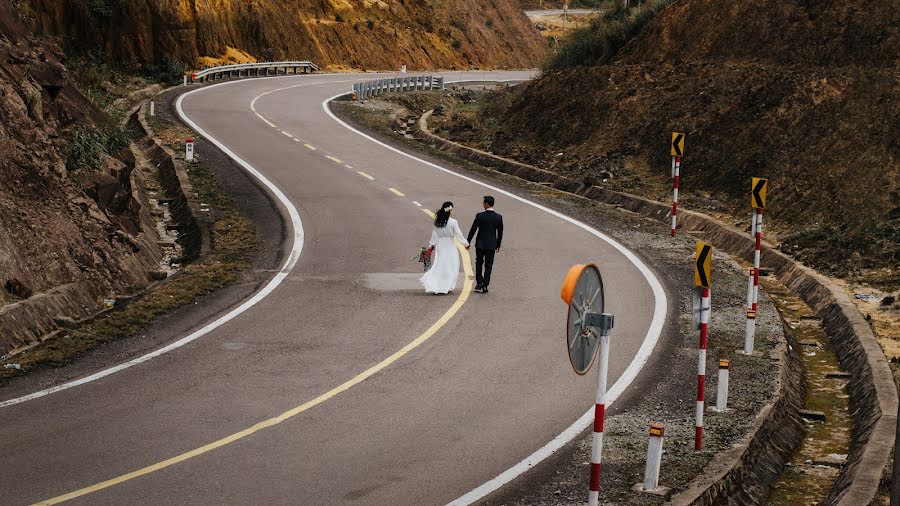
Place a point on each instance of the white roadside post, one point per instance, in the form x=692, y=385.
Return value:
x=722, y=387
x=152, y=107
x=185, y=80
x=654, y=458
x=189, y=150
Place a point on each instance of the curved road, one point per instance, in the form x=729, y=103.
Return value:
x=481, y=383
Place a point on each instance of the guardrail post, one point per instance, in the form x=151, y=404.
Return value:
x=441, y=82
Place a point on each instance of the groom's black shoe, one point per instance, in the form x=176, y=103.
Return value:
x=484, y=289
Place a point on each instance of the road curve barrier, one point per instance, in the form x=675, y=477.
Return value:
x=369, y=89
x=253, y=70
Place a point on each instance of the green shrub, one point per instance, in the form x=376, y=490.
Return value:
x=85, y=148
x=489, y=23
x=456, y=44
x=607, y=33
x=338, y=18
x=370, y=24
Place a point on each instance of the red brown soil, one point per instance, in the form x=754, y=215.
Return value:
x=366, y=34
x=803, y=93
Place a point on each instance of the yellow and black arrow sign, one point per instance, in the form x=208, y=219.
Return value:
x=758, y=193
x=703, y=264
x=677, y=144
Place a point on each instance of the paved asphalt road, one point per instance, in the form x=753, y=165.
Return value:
x=490, y=387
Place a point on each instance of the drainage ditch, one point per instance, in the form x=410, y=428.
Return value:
x=809, y=476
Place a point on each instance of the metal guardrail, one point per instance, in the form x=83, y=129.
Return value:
x=253, y=69
x=378, y=87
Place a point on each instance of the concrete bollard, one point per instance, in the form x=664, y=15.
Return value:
x=654, y=458
x=152, y=108
x=185, y=80
x=189, y=149
x=722, y=392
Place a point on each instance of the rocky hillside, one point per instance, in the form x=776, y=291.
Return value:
x=804, y=93
x=67, y=215
x=364, y=34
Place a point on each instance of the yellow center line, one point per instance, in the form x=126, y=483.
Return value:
x=271, y=422
x=429, y=213
x=396, y=192
x=287, y=134
x=310, y=146
x=333, y=159
x=363, y=174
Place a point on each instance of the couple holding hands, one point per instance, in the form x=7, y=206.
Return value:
x=488, y=227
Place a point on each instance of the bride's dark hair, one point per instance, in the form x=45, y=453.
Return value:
x=441, y=216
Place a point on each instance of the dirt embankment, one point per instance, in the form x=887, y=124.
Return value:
x=59, y=225
x=365, y=34
x=804, y=93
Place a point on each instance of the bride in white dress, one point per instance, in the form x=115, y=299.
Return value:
x=444, y=272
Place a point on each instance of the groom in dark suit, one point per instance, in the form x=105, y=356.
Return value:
x=489, y=226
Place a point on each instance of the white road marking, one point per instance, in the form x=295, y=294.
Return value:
x=287, y=134
x=310, y=147
x=417, y=204
x=333, y=159
x=363, y=174
x=348, y=166
x=295, y=249
x=627, y=377
x=259, y=115
x=396, y=192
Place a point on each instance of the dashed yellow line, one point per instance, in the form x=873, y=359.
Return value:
x=287, y=134
x=333, y=159
x=310, y=147
x=363, y=174
x=396, y=192
x=429, y=213
x=368, y=373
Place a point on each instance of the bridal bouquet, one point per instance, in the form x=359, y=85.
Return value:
x=424, y=256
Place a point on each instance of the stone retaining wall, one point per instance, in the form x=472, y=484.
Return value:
x=873, y=394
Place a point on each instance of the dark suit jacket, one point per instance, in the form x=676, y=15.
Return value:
x=489, y=226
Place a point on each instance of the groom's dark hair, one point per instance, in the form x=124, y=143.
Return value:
x=489, y=200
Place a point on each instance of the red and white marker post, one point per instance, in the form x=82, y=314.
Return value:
x=599, y=412
x=758, y=200
x=702, y=275
x=701, y=369
x=189, y=149
x=676, y=175
x=677, y=148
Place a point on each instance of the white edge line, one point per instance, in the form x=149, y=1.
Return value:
x=289, y=264
x=627, y=377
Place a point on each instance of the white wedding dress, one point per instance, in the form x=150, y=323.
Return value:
x=444, y=271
